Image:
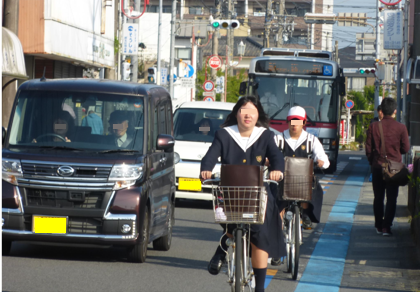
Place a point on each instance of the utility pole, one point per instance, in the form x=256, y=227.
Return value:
x=112, y=73
x=336, y=51
x=172, y=52
x=414, y=126
x=230, y=35
x=281, y=20
x=267, y=25
x=135, y=58
x=159, y=43
x=215, y=40
x=398, y=70
x=406, y=10
x=378, y=56
x=11, y=22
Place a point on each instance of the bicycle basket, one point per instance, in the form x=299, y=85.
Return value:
x=239, y=204
x=298, y=187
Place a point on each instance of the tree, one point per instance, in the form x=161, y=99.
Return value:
x=233, y=83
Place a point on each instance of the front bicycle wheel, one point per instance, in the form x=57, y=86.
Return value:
x=239, y=252
x=296, y=242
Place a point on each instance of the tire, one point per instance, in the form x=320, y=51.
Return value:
x=6, y=245
x=138, y=252
x=296, y=239
x=164, y=242
x=289, y=246
x=239, y=252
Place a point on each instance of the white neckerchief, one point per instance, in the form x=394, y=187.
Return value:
x=303, y=136
x=236, y=136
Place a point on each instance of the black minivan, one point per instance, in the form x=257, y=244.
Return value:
x=89, y=161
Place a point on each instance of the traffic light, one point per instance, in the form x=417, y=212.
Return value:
x=126, y=71
x=151, y=78
x=225, y=24
x=367, y=70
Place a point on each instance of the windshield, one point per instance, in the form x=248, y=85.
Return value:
x=77, y=121
x=316, y=96
x=199, y=125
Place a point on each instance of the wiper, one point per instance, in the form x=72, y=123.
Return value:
x=62, y=147
x=118, y=150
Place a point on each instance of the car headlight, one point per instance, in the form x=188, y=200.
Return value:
x=11, y=170
x=125, y=175
x=177, y=158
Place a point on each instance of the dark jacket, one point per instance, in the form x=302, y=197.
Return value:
x=225, y=147
x=396, y=141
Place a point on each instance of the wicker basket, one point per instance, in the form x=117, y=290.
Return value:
x=298, y=187
x=239, y=204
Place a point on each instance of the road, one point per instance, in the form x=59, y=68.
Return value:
x=35, y=267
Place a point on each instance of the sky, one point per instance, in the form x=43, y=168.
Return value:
x=346, y=35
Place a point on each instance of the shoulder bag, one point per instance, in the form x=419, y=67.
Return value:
x=392, y=171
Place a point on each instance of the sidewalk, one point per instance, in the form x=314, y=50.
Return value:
x=378, y=263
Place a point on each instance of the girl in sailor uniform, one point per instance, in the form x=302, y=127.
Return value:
x=246, y=140
x=296, y=142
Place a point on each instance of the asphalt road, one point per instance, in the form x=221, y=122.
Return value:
x=35, y=267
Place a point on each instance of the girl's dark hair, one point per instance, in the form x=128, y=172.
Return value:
x=231, y=120
x=388, y=105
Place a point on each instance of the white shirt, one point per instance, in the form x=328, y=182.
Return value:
x=236, y=136
x=121, y=139
x=318, y=152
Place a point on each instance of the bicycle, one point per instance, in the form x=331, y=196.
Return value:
x=296, y=189
x=242, y=206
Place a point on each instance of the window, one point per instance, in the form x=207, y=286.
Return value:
x=162, y=120
x=196, y=10
x=155, y=127
x=183, y=53
x=169, y=119
x=155, y=9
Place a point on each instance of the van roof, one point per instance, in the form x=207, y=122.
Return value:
x=92, y=85
x=207, y=105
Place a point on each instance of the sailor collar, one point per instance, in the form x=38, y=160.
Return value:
x=236, y=136
x=302, y=138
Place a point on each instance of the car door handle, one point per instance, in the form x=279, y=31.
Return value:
x=163, y=160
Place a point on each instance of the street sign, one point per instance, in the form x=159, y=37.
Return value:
x=169, y=76
x=188, y=82
x=208, y=85
x=390, y=2
x=393, y=30
x=163, y=76
x=189, y=71
x=215, y=62
x=130, y=40
x=220, y=84
x=349, y=104
x=210, y=93
x=208, y=98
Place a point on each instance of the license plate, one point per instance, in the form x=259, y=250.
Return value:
x=189, y=184
x=49, y=224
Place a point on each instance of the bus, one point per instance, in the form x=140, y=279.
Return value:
x=283, y=78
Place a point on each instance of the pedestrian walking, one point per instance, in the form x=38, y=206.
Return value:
x=246, y=140
x=396, y=143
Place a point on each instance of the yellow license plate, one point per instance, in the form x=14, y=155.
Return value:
x=49, y=224
x=189, y=184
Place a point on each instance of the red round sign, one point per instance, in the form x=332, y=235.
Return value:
x=208, y=85
x=208, y=98
x=215, y=62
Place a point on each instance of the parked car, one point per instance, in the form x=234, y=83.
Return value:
x=89, y=161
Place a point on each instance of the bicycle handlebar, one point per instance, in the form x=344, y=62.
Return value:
x=218, y=180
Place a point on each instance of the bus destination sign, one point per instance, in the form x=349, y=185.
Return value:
x=294, y=67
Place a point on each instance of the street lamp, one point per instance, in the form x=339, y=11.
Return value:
x=241, y=49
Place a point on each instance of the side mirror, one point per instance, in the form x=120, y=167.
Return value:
x=243, y=87
x=342, y=86
x=165, y=142
x=4, y=135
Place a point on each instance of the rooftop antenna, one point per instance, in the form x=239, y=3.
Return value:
x=43, y=75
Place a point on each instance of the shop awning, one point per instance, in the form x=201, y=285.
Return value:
x=13, y=62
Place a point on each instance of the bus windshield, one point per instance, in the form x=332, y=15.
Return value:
x=316, y=96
